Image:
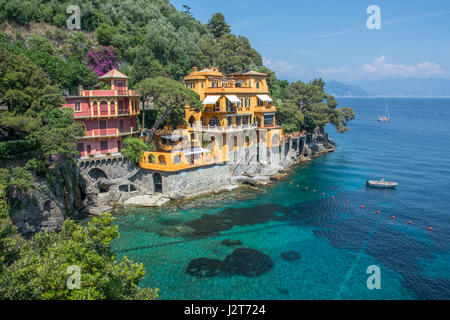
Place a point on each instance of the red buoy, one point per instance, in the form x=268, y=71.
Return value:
x=323, y=193
x=333, y=197
x=378, y=211
x=306, y=188
x=347, y=201
x=314, y=190
x=410, y=222
x=393, y=217
x=430, y=228
x=362, y=207
x=290, y=182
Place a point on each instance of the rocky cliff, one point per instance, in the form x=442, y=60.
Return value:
x=46, y=206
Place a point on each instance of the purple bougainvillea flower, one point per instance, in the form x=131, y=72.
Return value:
x=101, y=59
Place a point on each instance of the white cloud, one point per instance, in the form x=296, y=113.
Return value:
x=284, y=68
x=380, y=68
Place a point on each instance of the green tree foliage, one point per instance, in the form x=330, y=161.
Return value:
x=134, y=149
x=167, y=98
x=218, y=26
x=9, y=238
x=307, y=107
x=40, y=271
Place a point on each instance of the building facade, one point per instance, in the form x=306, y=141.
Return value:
x=108, y=116
x=238, y=116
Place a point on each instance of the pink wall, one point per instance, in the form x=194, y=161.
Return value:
x=93, y=126
x=84, y=104
x=96, y=146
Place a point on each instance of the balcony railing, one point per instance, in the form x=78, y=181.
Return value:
x=104, y=113
x=110, y=132
x=225, y=129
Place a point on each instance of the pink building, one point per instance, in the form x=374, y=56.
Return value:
x=109, y=116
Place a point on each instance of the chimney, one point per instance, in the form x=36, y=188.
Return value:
x=80, y=89
x=194, y=69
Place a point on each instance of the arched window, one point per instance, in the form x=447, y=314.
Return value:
x=104, y=108
x=177, y=159
x=95, y=107
x=77, y=106
x=214, y=121
x=162, y=159
x=191, y=121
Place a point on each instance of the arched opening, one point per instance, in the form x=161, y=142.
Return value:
x=97, y=174
x=177, y=159
x=103, y=108
x=95, y=108
x=157, y=181
x=191, y=121
x=214, y=121
x=151, y=159
x=162, y=159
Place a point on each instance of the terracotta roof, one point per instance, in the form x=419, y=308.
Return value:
x=113, y=74
x=248, y=73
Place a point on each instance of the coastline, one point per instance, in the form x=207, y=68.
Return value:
x=249, y=176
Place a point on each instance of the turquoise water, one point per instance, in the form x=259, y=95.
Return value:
x=333, y=241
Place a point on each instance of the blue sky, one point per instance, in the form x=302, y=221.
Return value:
x=301, y=40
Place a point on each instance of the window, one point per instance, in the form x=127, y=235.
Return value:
x=164, y=141
x=217, y=106
x=229, y=123
x=80, y=147
x=77, y=107
x=214, y=121
x=238, y=85
x=247, y=102
x=257, y=84
x=162, y=159
x=104, y=108
x=88, y=149
x=229, y=104
x=268, y=120
x=260, y=103
x=104, y=145
x=238, y=120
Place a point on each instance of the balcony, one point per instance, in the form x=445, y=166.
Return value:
x=216, y=129
x=176, y=161
x=268, y=108
x=104, y=114
x=108, y=133
x=109, y=93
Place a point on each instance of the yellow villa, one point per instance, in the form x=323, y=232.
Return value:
x=238, y=114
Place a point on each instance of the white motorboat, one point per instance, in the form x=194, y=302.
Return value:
x=381, y=183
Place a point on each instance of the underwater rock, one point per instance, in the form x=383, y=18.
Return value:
x=248, y=262
x=243, y=261
x=230, y=243
x=204, y=267
x=291, y=255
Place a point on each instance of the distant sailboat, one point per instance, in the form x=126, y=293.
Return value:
x=386, y=117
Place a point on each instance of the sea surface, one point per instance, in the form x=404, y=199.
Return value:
x=293, y=243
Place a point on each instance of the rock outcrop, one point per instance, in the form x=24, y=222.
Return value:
x=51, y=201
